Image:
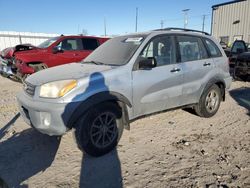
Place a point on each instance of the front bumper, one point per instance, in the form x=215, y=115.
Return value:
x=228, y=82
x=48, y=118
x=5, y=68
x=23, y=68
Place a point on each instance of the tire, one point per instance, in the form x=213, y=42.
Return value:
x=209, y=102
x=38, y=66
x=236, y=76
x=99, y=130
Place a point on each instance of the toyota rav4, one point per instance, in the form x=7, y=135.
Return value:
x=125, y=78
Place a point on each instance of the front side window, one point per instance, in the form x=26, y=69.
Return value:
x=48, y=42
x=191, y=48
x=162, y=49
x=212, y=48
x=69, y=44
x=89, y=44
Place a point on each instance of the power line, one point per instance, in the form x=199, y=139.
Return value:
x=179, y=19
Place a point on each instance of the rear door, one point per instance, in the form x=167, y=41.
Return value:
x=158, y=88
x=196, y=66
x=89, y=45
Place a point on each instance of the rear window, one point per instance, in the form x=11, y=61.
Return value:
x=212, y=48
x=89, y=44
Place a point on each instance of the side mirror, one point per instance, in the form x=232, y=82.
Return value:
x=148, y=63
x=57, y=49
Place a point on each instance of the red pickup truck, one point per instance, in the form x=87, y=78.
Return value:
x=55, y=51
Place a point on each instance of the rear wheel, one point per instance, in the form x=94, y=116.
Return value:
x=100, y=130
x=209, y=102
x=37, y=67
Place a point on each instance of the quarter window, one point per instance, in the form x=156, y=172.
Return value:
x=191, y=48
x=162, y=49
x=212, y=48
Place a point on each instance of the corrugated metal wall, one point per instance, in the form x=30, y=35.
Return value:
x=224, y=22
x=12, y=38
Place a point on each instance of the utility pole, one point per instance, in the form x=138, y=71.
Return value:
x=162, y=22
x=136, y=19
x=185, y=11
x=203, y=22
x=105, y=29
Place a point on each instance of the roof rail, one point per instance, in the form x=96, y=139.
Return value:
x=181, y=29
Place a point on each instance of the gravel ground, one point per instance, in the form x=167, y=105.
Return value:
x=171, y=149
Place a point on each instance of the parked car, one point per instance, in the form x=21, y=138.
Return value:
x=55, y=51
x=238, y=47
x=241, y=61
x=7, y=55
x=126, y=78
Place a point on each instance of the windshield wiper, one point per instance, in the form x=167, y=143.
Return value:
x=94, y=62
x=98, y=63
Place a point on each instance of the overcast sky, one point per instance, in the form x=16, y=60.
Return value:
x=73, y=16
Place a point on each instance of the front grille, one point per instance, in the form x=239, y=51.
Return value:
x=29, y=88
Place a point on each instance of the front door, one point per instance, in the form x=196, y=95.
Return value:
x=71, y=52
x=158, y=88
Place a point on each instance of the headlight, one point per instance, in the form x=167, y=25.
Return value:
x=57, y=89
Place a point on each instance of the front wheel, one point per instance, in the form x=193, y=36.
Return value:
x=209, y=102
x=99, y=130
x=236, y=73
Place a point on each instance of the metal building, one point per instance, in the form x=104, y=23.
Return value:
x=231, y=21
x=12, y=38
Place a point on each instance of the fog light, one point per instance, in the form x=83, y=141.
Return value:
x=45, y=118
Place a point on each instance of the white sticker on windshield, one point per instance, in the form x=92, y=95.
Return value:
x=135, y=39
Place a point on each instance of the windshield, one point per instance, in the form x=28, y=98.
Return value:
x=48, y=42
x=116, y=51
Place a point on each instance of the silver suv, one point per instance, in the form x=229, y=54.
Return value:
x=127, y=77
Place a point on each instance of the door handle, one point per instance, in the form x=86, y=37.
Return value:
x=206, y=64
x=75, y=54
x=175, y=70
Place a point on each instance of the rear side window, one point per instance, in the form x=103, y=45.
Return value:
x=89, y=44
x=212, y=48
x=191, y=48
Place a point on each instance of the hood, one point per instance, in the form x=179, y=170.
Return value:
x=24, y=47
x=9, y=52
x=64, y=72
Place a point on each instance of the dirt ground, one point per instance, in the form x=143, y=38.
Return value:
x=171, y=149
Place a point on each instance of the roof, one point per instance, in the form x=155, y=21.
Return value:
x=226, y=3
